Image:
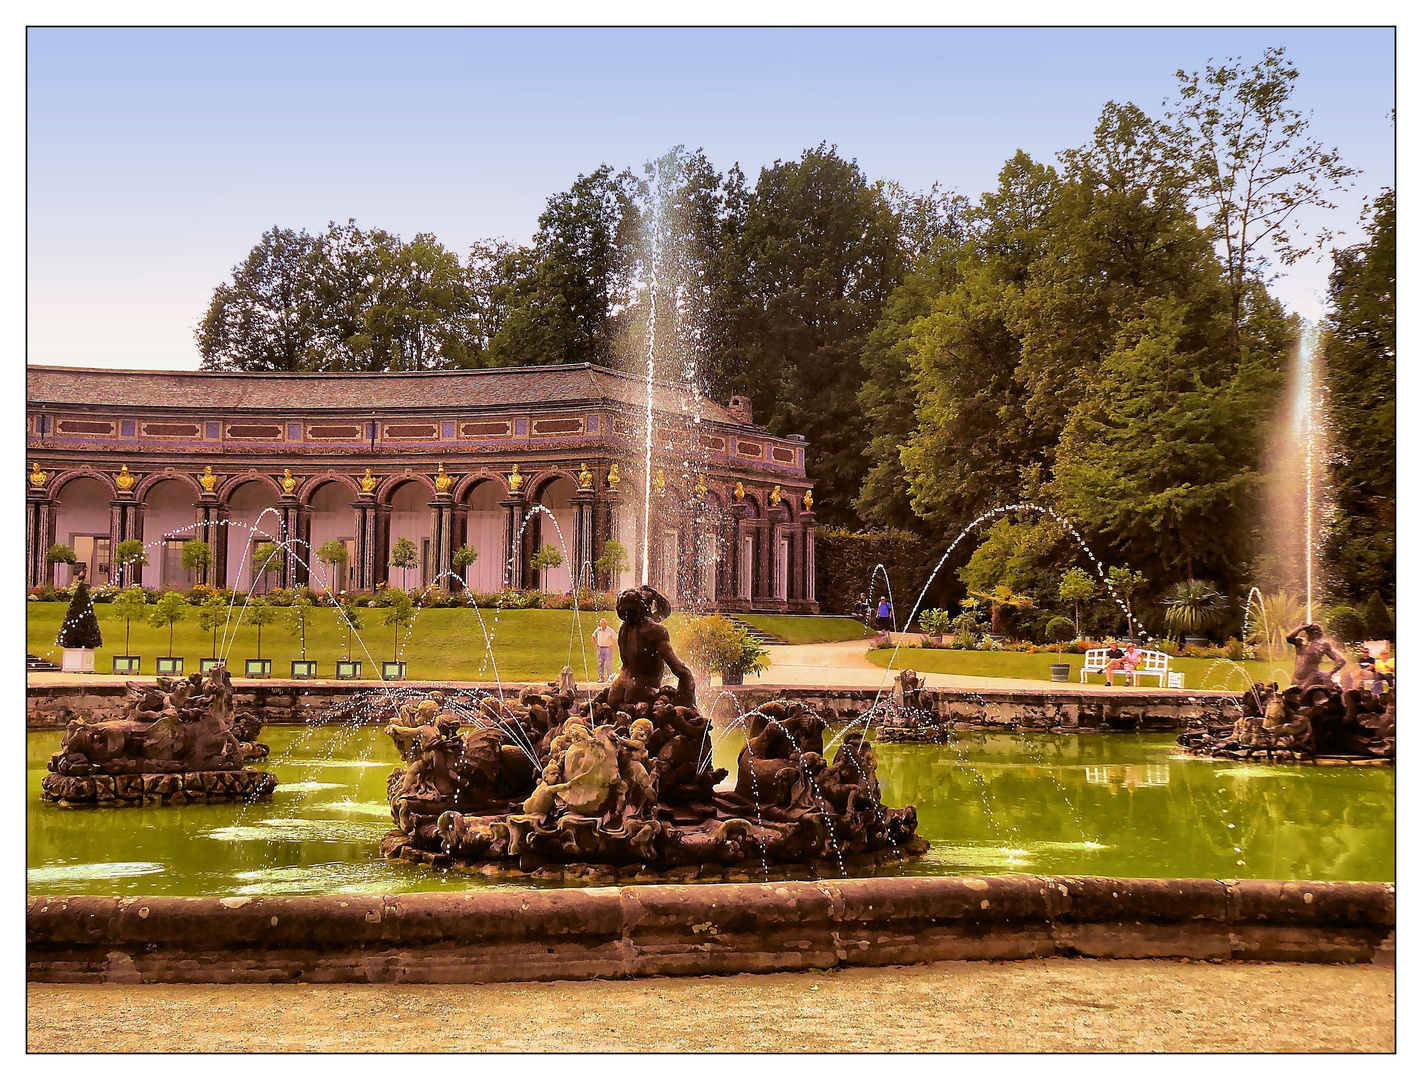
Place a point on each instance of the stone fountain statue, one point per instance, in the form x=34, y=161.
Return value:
x=179, y=741
x=1312, y=720
x=622, y=785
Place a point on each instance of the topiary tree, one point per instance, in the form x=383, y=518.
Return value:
x=1379, y=618
x=614, y=561
x=130, y=604
x=213, y=613
x=260, y=613
x=268, y=559
x=463, y=558
x=171, y=609
x=298, y=618
x=404, y=557
x=350, y=615
x=401, y=612
x=197, y=557
x=544, y=559
x=1060, y=629
x=129, y=556
x=80, y=629
x=332, y=553
x=1077, y=585
x=59, y=553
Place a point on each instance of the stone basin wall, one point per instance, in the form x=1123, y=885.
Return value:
x=283, y=701
x=519, y=935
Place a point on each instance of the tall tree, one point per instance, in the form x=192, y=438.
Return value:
x=265, y=319
x=1360, y=352
x=1253, y=165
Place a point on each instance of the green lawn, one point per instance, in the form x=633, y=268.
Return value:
x=808, y=629
x=445, y=643
x=1014, y=665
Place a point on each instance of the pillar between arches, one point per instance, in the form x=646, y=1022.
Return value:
x=515, y=506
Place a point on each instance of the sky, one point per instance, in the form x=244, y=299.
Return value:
x=156, y=158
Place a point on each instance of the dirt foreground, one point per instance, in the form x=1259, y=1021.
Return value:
x=1031, y=1005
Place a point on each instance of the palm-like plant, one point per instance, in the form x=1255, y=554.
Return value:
x=999, y=598
x=1193, y=606
x=1269, y=619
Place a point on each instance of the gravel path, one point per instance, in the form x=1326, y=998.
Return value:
x=1041, y=1005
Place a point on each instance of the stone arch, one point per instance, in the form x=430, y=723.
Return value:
x=82, y=520
x=57, y=484
x=387, y=486
x=484, y=528
x=170, y=519
x=330, y=515
x=470, y=481
x=145, y=485
x=751, y=500
x=541, y=481
x=232, y=483
x=308, y=488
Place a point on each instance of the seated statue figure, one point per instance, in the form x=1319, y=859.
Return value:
x=1311, y=648
x=644, y=645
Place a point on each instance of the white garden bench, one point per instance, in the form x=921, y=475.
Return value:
x=1155, y=664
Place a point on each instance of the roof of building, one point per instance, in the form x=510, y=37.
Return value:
x=358, y=391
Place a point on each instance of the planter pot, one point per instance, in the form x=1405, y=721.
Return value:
x=303, y=669
x=348, y=669
x=392, y=670
x=170, y=665
x=207, y=663
x=78, y=660
x=733, y=678
x=1061, y=672
x=127, y=665
x=259, y=669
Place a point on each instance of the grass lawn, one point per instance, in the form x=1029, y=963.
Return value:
x=445, y=643
x=1013, y=665
x=808, y=629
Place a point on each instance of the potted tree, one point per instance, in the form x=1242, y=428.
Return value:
x=129, y=605
x=1060, y=629
x=349, y=614
x=463, y=558
x=715, y=644
x=59, y=554
x=215, y=612
x=268, y=559
x=331, y=554
x=298, y=618
x=400, y=613
x=935, y=622
x=259, y=613
x=128, y=557
x=404, y=557
x=197, y=557
x=171, y=609
x=79, y=635
x=544, y=559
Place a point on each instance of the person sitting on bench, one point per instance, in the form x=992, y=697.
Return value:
x=1115, y=660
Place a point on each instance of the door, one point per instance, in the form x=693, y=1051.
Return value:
x=747, y=566
x=782, y=568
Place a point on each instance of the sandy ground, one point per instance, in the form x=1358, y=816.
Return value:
x=1046, y=1005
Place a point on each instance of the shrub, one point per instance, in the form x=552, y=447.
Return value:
x=1379, y=619
x=935, y=621
x=1344, y=623
x=714, y=644
x=1193, y=607
x=845, y=561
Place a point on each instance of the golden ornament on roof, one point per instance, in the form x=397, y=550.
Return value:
x=515, y=480
x=659, y=482
x=810, y=500
x=740, y=490
x=443, y=481
x=585, y=478
x=613, y=476
x=37, y=476
x=368, y=482
x=288, y=482
x=124, y=480
x=207, y=480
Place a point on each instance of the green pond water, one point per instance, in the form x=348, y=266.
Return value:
x=1113, y=805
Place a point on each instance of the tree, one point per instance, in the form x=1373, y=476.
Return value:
x=1379, y=618
x=259, y=613
x=298, y=618
x=1360, y=353
x=267, y=559
x=129, y=556
x=1060, y=630
x=1253, y=166
x=999, y=598
x=463, y=558
x=1077, y=585
x=129, y=605
x=400, y=613
x=544, y=559
x=171, y=609
x=613, y=561
x=80, y=629
x=350, y=617
x=331, y=554
x=1192, y=607
x=197, y=557
x=1125, y=584
x=214, y=612
x=265, y=319
x=404, y=557
x=60, y=553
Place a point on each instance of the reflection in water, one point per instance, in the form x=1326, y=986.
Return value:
x=1115, y=805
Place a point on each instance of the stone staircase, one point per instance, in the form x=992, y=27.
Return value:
x=38, y=663
x=757, y=634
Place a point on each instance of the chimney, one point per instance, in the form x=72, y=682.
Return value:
x=740, y=409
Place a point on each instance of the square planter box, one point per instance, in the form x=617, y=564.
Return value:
x=78, y=660
x=392, y=670
x=348, y=669
x=259, y=669
x=170, y=665
x=127, y=665
x=303, y=669
x=207, y=663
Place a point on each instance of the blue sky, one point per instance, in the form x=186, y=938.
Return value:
x=157, y=157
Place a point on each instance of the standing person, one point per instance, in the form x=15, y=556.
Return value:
x=1115, y=660
x=886, y=616
x=861, y=609
x=604, y=637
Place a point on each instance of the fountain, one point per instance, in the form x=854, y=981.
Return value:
x=622, y=785
x=179, y=741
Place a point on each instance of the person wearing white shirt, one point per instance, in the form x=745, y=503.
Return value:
x=605, y=638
